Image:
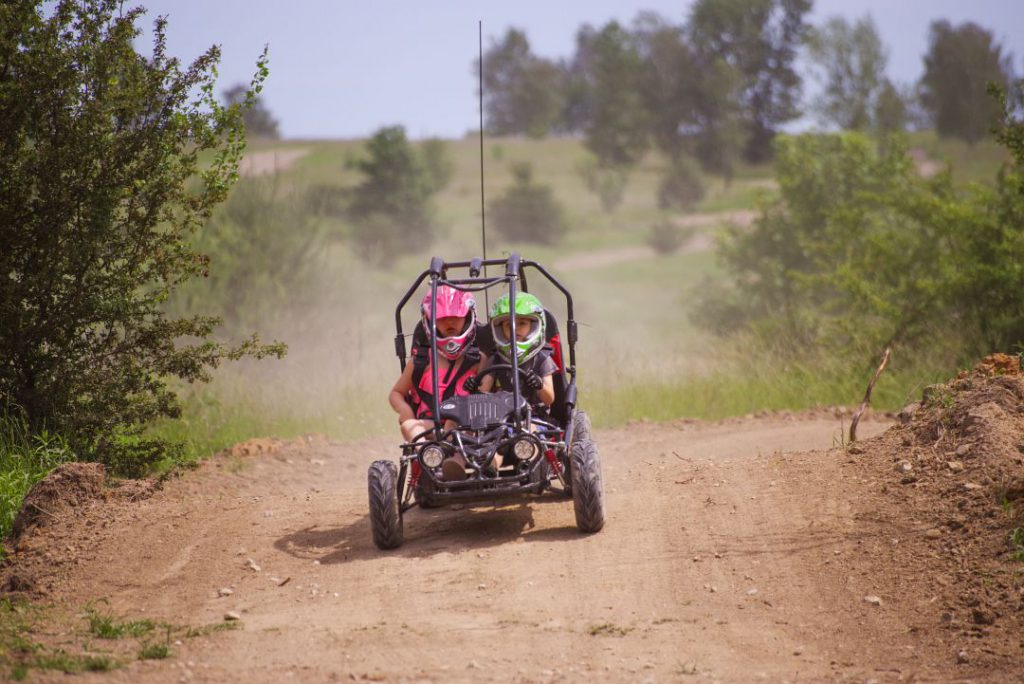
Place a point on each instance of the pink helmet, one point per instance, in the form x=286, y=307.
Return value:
x=452, y=302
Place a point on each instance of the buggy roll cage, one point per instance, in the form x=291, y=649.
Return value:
x=514, y=274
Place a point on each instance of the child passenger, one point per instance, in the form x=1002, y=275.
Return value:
x=458, y=360
x=528, y=340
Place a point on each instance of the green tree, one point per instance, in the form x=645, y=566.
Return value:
x=859, y=252
x=851, y=62
x=960, y=62
x=892, y=113
x=576, y=84
x=759, y=39
x=617, y=131
x=259, y=122
x=391, y=206
x=101, y=190
x=528, y=212
x=521, y=91
x=989, y=277
x=438, y=163
x=845, y=237
x=607, y=182
x=668, y=81
x=681, y=186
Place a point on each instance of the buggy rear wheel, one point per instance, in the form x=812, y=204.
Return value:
x=385, y=513
x=587, y=485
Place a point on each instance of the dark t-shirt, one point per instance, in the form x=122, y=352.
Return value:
x=542, y=364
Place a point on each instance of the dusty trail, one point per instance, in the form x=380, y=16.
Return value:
x=732, y=553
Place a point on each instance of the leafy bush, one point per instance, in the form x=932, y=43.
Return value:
x=859, y=252
x=682, y=186
x=390, y=208
x=102, y=190
x=264, y=245
x=438, y=163
x=607, y=182
x=844, y=254
x=527, y=211
x=666, y=237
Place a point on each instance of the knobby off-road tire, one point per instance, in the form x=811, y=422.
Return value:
x=385, y=515
x=587, y=485
x=581, y=426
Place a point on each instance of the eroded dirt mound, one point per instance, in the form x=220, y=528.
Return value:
x=952, y=475
x=68, y=486
x=58, y=521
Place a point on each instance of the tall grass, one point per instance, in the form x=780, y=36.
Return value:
x=25, y=458
x=730, y=391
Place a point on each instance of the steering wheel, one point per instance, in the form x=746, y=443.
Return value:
x=501, y=367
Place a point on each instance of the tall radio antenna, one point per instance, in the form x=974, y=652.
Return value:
x=483, y=214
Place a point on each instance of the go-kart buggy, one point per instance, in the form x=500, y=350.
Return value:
x=542, y=452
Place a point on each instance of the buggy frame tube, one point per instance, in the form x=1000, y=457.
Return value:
x=435, y=382
x=511, y=272
x=571, y=322
x=515, y=268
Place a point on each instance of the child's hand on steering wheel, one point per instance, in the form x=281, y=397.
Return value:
x=532, y=380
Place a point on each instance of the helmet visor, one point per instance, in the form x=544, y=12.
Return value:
x=527, y=327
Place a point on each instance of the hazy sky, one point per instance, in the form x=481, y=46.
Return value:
x=342, y=68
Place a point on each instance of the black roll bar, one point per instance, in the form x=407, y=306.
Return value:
x=515, y=267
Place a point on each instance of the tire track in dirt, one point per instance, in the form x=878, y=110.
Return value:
x=733, y=552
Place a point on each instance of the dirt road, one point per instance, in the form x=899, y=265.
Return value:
x=733, y=552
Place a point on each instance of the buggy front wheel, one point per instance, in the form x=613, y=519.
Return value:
x=385, y=511
x=580, y=426
x=587, y=485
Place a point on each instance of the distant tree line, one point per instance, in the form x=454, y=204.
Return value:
x=719, y=86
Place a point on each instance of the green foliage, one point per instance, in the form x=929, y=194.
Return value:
x=390, y=208
x=843, y=255
x=521, y=91
x=264, y=246
x=988, y=278
x=438, y=163
x=575, y=83
x=859, y=253
x=960, y=63
x=25, y=458
x=669, y=81
x=259, y=122
x=527, y=212
x=154, y=651
x=607, y=182
x=108, y=626
x=850, y=59
x=892, y=111
x=617, y=131
x=1016, y=539
x=666, y=237
x=757, y=41
x=101, y=191
x=682, y=186
x=19, y=652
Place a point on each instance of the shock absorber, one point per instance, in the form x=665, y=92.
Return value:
x=555, y=464
x=414, y=475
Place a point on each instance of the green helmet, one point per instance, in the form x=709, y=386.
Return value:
x=528, y=308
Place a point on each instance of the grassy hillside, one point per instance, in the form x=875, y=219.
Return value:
x=638, y=356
